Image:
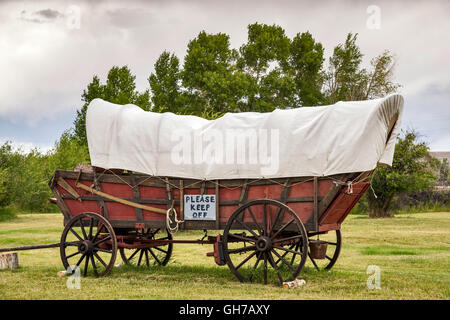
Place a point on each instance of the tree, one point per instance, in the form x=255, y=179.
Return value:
x=24, y=176
x=210, y=77
x=120, y=88
x=412, y=170
x=165, y=84
x=346, y=80
x=94, y=90
x=443, y=173
x=344, y=77
x=265, y=59
x=306, y=61
x=380, y=79
x=269, y=71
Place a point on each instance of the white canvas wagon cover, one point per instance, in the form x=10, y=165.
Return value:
x=309, y=141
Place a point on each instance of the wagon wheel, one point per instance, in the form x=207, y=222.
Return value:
x=155, y=255
x=272, y=247
x=333, y=239
x=88, y=238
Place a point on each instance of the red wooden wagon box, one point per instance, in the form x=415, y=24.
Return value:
x=271, y=224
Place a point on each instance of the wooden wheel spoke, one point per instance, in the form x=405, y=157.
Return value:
x=76, y=234
x=299, y=236
x=86, y=265
x=140, y=257
x=265, y=268
x=274, y=265
x=245, y=226
x=96, y=234
x=258, y=259
x=314, y=262
x=288, y=250
x=285, y=253
x=256, y=222
x=133, y=254
x=100, y=259
x=102, y=240
x=328, y=257
x=81, y=260
x=155, y=257
x=159, y=249
x=157, y=230
x=73, y=254
x=297, y=247
x=147, y=261
x=94, y=266
x=91, y=225
x=246, y=259
x=284, y=260
x=265, y=220
x=282, y=228
x=276, y=220
x=83, y=230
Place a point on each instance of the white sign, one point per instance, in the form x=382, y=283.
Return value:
x=200, y=207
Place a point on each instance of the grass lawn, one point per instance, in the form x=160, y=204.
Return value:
x=412, y=252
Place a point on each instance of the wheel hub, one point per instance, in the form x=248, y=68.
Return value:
x=86, y=246
x=263, y=243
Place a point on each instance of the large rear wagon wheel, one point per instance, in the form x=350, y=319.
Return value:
x=88, y=239
x=155, y=255
x=272, y=244
x=334, y=241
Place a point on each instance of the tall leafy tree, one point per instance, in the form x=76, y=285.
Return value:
x=165, y=84
x=346, y=80
x=380, y=78
x=306, y=61
x=120, y=88
x=94, y=90
x=443, y=172
x=209, y=74
x=265, y=58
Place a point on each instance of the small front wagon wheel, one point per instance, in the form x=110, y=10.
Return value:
x=271, y=244
x=88, y=239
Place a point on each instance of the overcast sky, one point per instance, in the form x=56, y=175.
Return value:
x=50, y=50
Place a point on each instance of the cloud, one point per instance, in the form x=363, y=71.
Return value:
x=49, y=14
x=126, y=18
x=26, y=147
x=46, y=65
x=40, y=16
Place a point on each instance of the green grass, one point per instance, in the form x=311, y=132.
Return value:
x=412, y=251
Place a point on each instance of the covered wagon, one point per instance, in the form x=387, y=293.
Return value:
x=276, y=185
